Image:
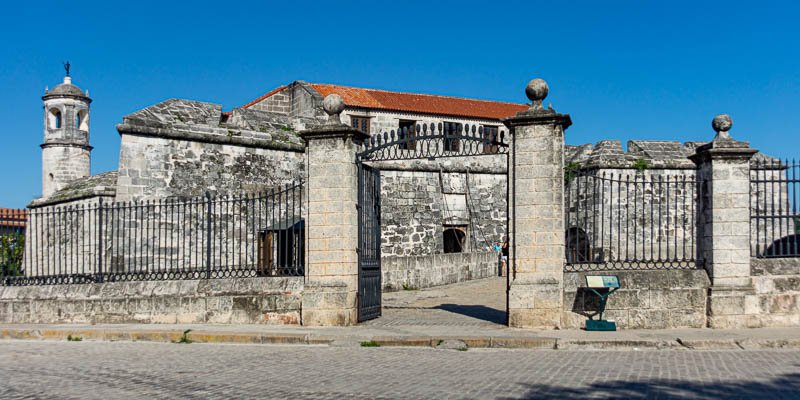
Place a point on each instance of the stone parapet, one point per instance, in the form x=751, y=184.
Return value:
x=652, y=299
x=271, y=300
x=436, y=270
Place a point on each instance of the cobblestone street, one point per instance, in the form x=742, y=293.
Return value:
x=101, y=370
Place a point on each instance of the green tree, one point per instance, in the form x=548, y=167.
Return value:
x=12, y=246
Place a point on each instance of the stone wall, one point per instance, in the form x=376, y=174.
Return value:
x=436, y=270
x=63, y=163
x=416, y=207
x=152, y=167
x=777, y=289
x=646, y=299
x=183, y=148
x=217, y=301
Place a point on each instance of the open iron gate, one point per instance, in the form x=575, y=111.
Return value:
x=369, y=243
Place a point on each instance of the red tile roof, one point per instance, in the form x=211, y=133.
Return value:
x=420, y=103
x=13, y=217
x=412, y=102
x=276, y=90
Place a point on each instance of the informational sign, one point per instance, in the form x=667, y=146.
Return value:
x=602, y=281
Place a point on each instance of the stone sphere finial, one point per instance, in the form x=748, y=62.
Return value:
x=722, y=123
x=536, y=91
x=333, y=106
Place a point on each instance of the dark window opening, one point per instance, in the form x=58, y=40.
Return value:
x=490, y=132
x=55, y=119
x=281, y=249
x=578, y=246
x=450, y=129
x=454, y=240
x=360, y=123
x=407, y=130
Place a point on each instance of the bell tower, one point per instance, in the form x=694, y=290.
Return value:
x=66, y=154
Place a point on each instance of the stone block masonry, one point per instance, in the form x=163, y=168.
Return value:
x=537, y=229
x=646, y=299
x=777, y=291
x=436, y=270
x=155, y=167
x=416, y=207
x=216, y=301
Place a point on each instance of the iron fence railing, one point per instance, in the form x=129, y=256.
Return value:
x=12, y=240
x=260, y=234
x=774, y=217
x=631, y=221
x=445, y=139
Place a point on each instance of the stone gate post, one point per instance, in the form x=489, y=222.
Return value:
x=329, y=296
x=724, y=227
x=536, y=193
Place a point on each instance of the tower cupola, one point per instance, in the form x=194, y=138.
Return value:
x=66, y=153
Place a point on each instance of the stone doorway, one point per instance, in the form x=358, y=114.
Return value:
x=467, y=303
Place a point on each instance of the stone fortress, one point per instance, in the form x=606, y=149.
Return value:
x=438, y=217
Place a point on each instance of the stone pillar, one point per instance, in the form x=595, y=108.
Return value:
x=329, y=295
x=724, y=227
x=536, y=192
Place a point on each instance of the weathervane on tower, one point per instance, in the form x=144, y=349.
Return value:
x=66, y=67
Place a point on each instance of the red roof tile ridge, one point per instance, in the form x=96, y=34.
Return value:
x=270, y=93
x=416, y=94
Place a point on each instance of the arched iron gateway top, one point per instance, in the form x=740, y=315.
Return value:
x=447, y=139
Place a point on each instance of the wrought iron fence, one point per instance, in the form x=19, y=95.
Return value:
x=630, y=221
x=12, y=240
x=260, y=234
x=774, y=218
x=445, y=139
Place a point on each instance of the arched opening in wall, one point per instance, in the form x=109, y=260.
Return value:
x=578, y=246
x=787, y=246
x=454, y=239
x=82, y=120
x=54, y=119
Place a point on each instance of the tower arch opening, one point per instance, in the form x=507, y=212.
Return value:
x=54, y=118
x=82, y=120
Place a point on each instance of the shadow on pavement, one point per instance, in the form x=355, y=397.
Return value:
x=477, y=312
x=783, y=387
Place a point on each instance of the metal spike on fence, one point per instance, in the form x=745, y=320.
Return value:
x=480, y=132
x=417, y=128
x=440, y=127
x=385, y=137
x=502, y=136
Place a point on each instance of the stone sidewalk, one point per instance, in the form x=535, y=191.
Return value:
x=426, y=336
x=465, y=315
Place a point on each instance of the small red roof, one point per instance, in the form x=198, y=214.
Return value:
x=13, y=217
x=412, y=102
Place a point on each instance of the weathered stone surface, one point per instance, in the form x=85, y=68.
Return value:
x=645, y=300
x=267, y=301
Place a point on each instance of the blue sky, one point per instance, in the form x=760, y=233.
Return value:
x=623, y=70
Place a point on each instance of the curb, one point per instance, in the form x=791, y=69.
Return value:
x=533, y=343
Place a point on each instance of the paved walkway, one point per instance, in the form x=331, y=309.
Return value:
x=480, y=302
x=99, y=370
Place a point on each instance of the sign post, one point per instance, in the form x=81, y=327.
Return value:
x=602, y=286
